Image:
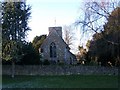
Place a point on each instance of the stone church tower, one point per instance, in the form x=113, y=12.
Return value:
x=55, y=49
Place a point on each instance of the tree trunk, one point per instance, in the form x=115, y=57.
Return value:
x=13, y=68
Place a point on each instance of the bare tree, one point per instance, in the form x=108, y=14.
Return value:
x=95, y=16
x=101, y=18
x=68, y=35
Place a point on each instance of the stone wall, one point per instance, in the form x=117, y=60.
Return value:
x=59, y=70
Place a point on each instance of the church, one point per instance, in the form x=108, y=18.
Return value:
x=54, y=49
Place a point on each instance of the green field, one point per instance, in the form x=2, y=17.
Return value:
x=63, y=81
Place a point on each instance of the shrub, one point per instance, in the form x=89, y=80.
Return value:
x=46, y=62
x=61, y=63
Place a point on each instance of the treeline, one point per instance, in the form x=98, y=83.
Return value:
x=15, y=50
x=104, y=48
x=29, y=56
x=30, y=53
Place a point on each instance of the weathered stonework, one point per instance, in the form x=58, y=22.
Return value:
x=61, y=48
x=59, y=70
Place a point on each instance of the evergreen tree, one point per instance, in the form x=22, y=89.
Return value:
x=14, y=21
x=106, y=44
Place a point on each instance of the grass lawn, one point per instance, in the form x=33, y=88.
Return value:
x=63, y=81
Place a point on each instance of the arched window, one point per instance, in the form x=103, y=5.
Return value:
x=52, y=50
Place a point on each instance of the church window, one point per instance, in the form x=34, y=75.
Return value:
x=52, y=50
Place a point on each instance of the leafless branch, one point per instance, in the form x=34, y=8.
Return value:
x=93, y=13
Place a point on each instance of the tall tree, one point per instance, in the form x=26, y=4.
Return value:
x=69, y=35
x=98, y=19
x=14, y=21
x=0, y=33
x=109, y=51
x=95, y=15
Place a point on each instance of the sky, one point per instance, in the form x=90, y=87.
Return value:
x=48, y=13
